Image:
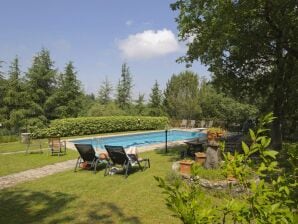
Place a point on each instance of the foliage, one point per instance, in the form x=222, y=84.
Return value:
x=155, y=101
x=140, y=105
x=217, y=106
x=96, y=125
x=209, y=174
x=16, y=102
x=40, y=86
x=124, y=88
x=251, y=48
x=8, y=138
x=105, y=91
x=66, y=100
x=182, y=96
x=265, y=201
x=110, y=109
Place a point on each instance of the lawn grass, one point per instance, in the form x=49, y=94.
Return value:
x=13, y=163
x=84, y=197
x=18, y=146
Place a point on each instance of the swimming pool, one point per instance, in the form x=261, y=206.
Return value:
x=141, y=139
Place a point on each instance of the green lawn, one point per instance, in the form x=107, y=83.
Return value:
x=18, y=146
x=12, y=163
x=84, y=197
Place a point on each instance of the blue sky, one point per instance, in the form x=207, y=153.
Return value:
x=98, y=36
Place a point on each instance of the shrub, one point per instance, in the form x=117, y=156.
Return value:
x=97, y=125
x=270, y=199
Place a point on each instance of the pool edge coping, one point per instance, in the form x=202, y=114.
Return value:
x=70, y=145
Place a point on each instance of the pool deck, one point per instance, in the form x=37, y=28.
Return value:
x=70, y=145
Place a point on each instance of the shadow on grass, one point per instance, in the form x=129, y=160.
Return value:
x=174, y=153
x=108, y=213
x=32, y=207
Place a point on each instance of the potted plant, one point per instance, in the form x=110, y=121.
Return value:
x=211, y=134
x=214, y=133
x=185, y=166
x=200, y=157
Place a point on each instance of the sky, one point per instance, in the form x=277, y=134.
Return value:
x=98, y=36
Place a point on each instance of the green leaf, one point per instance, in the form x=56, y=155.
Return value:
x=252, y=135
x=265, y=142
x=245, y=148
x=271, y=153
x=261, y=130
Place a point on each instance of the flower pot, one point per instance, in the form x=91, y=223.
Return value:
x=219, y=135
x=200, y=158
x=185, y=166
x=211, y=136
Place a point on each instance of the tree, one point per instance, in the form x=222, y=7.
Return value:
x=110, y=109
x=182, y=96
x=250, y=46
x=124, y=88
x=155, y=101
x=217, y=106
x=16, y=102
x=2, y=93
x=105, y=91
x=66, y=100
x=140, y=105
x=40, y=86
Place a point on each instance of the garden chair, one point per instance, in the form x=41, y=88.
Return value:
x=87, y=156
x=56, y=146
x=118, y=156
x=183, y=123
x=192, y=123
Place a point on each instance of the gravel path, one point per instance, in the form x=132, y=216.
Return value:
x=32, y=174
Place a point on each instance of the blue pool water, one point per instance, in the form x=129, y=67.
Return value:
x=142, y=139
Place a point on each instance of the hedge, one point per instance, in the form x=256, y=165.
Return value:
x=97, y=125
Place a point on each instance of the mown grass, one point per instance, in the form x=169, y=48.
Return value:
x=18, y=146
x=13, y=163
x=84, y=197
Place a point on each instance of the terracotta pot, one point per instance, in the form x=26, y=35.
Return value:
x=185, y=166
x=200, y=157
x=211, y=136
x=219, y=135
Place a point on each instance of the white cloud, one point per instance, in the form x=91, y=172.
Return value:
x=128, y=22
x=149, y=44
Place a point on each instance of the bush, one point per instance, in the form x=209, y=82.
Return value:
x=97, y=125
x=8, y=138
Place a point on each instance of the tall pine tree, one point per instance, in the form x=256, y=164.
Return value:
x=16, y=101
x=67, y=99
x=155, y=101
x=124, y=88
x=105, y=91
x=41, y=85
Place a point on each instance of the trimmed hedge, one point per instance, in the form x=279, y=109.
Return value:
x=97, y=125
